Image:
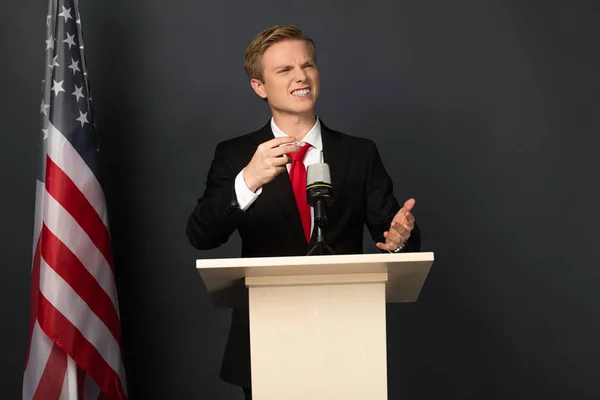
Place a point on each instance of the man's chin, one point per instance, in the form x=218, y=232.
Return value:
x=305, y=110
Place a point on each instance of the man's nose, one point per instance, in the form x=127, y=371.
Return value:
x=300, y=75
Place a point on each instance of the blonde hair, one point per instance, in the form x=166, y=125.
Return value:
x=267, y=38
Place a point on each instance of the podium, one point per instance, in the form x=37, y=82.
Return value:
x=317, y=323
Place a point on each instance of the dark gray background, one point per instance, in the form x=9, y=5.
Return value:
x=485, y=111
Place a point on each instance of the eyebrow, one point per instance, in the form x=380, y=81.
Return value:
x=308, y=61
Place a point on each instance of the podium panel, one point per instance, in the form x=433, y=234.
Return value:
x=319, y=340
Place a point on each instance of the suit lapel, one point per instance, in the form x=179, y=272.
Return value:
x=336, y=153
x=280, y=191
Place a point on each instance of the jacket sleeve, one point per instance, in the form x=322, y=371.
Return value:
x=382, y=206
x=216, y=214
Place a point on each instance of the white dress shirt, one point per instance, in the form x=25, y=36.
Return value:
x=245, y=197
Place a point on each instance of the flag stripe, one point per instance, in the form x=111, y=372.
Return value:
x=60, y=258
x=62, y=189
x=40, y=193
x=64, y=155
x=39, y=351
x=53, y=377
x=68, y=337
x=62, y=297
x=33, y=296
x=64, y=394
x=68, y=231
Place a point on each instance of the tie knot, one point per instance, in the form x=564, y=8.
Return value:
x=300, y=154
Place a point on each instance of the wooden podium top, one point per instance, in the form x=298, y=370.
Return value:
x=225, y=277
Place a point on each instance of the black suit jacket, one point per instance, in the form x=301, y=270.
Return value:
x=363, y=195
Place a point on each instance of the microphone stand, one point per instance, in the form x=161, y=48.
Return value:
x=320, y=248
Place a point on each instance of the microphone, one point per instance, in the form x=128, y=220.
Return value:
x=319, y=194
x=319, y=191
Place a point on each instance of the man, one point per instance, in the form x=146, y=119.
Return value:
x=257, y=182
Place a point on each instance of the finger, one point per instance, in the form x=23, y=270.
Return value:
x=394, y=237
x=397, y=227
x=386, y=246
x=278, y=141
x=408, y=221
x=403, y=232
x=279, y=161
x=405, y=218
x=279, y=170
x=281, y=150
x=275, y=170
x=409, y=205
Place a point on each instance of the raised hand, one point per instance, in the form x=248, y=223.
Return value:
x=402, y=225
x=268, y=161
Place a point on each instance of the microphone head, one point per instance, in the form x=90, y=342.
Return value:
x=318, y=173
x=318, y=187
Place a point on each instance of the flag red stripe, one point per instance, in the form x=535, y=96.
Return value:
x=53, y=377
x=70, y=339
x=62, y=260
x=62, y=188
x=35, y=290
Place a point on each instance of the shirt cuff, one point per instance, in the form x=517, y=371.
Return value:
x=245, y=197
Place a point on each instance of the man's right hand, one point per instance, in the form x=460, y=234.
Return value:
x=268, y=161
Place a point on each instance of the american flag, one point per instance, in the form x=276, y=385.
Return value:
x=75, y=349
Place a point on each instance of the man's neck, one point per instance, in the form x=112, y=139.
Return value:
x=295, y=125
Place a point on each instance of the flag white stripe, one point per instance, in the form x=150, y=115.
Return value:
x=71, y=375
x=41, y=346
x=40, y=189
x=62, y=153
x=64, y=394
x=67, y=302
x=67, y=230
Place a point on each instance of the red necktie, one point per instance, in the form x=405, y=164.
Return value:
x=298, y=178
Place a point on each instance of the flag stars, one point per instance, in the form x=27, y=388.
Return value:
x=83, y=118
x=74, y=66
x=66, y=13
x=49, y=43
x=44, y=108
x=77, y=93
x=48, y=18
x=69, y=40
x=57, y=87
x=54, y=63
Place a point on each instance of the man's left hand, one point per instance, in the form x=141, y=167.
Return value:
x=400, y=228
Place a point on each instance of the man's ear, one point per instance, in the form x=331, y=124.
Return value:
x=258, y=87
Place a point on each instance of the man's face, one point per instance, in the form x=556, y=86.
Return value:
x=290, y=78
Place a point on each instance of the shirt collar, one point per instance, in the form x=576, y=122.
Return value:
x=313, y=137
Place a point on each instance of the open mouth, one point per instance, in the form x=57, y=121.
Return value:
x=301, y=92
